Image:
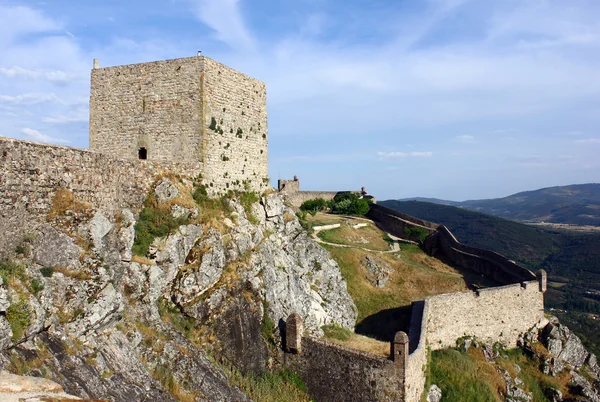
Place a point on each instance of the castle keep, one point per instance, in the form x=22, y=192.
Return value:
x=191, y=110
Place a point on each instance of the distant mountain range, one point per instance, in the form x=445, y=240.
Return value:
x=577, y=204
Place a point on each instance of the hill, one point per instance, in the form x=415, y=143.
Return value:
x=577, y=204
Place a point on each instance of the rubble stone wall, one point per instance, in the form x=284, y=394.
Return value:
x=31, y=173
x=333, y=372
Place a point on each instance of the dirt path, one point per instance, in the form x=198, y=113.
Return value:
x=395, y=245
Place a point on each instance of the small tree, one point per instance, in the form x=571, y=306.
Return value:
x=313, y=206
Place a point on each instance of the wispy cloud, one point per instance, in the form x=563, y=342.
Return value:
x=399, y=155
x=29, y=99
x=466, y=138
x=35, y=135
x=66, y=119
x=59, y=77
x=588, y=141
x=225, y=18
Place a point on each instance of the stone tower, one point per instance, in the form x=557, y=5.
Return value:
x=183, y=110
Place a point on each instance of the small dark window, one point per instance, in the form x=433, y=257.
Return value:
x=142, y=153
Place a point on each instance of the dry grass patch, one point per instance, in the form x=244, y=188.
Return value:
x=408, y=280
x=345, y=337
x=81, y=275
x=141, y=260
x=63, y=201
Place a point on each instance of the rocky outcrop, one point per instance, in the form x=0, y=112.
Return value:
x=379, y=271
x=564, y=345
x=106, y=324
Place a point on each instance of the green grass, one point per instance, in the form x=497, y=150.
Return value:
x=367, y=237
x=467, y=376
x=153, y=222
x=47, y=272
x=276, y=386
x=10, y=270
x=18, y=316
x=460, y=377
x=337, y=332
x=171, y=313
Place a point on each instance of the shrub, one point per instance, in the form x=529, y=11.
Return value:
x=313, y=206
x=349, y=204
x=10, y=270
x=18, y=315
x=37, y=286
x=152, y=223
x=416, y=233
x=47, y=272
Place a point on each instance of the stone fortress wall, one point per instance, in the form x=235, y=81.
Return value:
x=184, y=110
x=32, y=173
x=290, y=190
x=498, y=314
x=441, y=240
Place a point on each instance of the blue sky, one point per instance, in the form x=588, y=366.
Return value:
x=456, y=99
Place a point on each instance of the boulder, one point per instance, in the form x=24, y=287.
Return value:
x=378, y=271
x=165, y=190
x=564, y=345
x=434, y=394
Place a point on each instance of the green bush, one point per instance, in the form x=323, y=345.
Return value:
x=18, y=315
x=37, y=286
x=9, y=270
x=47, y=272
x=152, y=223
x=349, y=204
x=416, y=233
x=313, y=206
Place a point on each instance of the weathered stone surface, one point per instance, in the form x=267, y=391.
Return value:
x=379, y=271
x=16, y=383
x=273, y=206
x=99, y=313
x=99, y=227
x=434, y=394
x=171, y=251
x=165, y=190
x=201, y=275
x=54, y=249
x=239, y=331
x=5, y=333
x=126, y=235
x=554, y=395
x=581, y=386
x=564, y=345
x=4, y=301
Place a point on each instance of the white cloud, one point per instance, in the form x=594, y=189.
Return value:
x=466, y=138
x=588, y=141
x=56, y=76
x=65, y=119
x=225, y=17
x=29, y=99
x=18, y=20
x=39, y=137
x=397, y=155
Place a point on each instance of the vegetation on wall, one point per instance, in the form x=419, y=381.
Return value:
x=153, y=222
